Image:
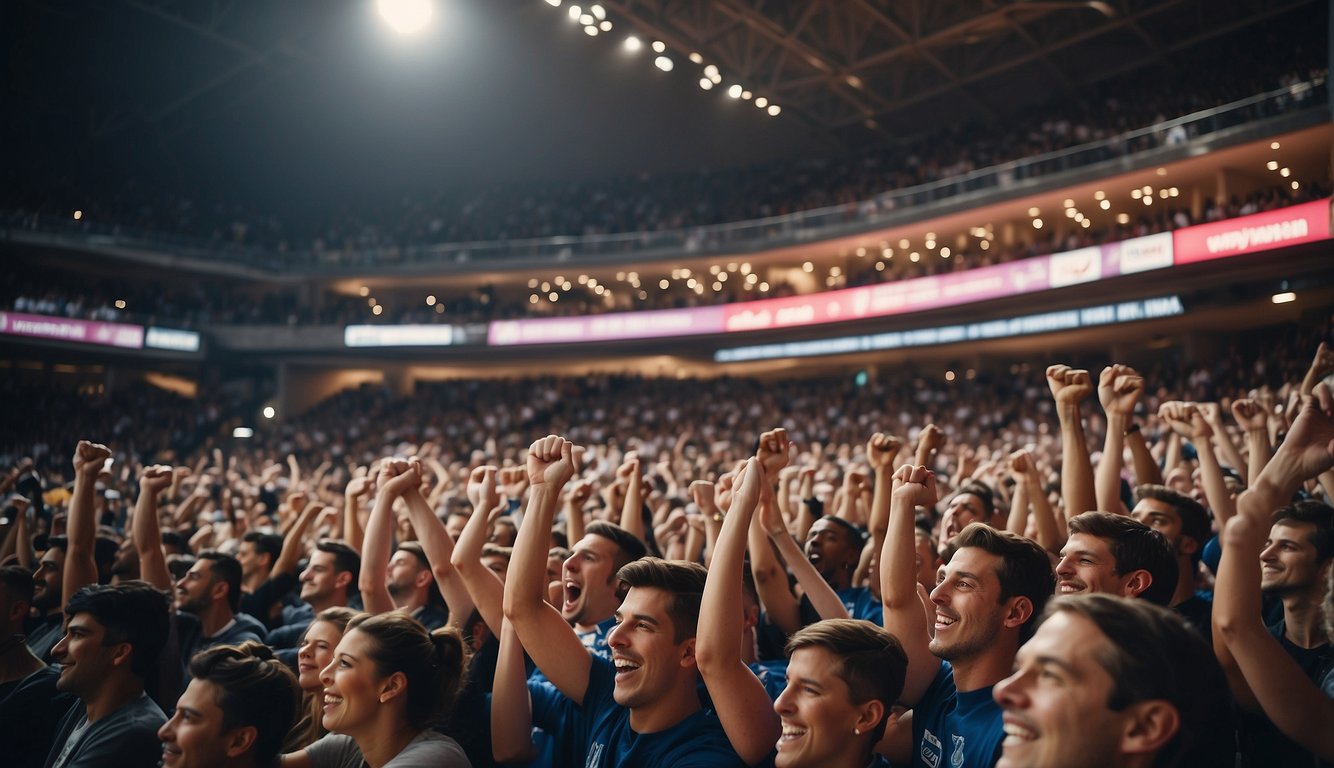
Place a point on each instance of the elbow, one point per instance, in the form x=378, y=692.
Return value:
x=443, y=571
x=512, y=750
x=707, y=656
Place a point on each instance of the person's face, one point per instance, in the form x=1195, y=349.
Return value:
x=1288, y=561
x=925, y=557
x=817, y=713
x=404, y=569
x=455, y=524
x=194, y=736
x=194, y=589
x=49, y=580
x=648, y=659
x=969, y=612
x=321, y=578
x=588, y=573
x=352, y=686
x=315, y=653
x=251, y=561
x=831, y=550
x=497, y=564
x=963, y=509
x=85, y=661
x=554, y=565
x=1055, y=702
x=1163, y=518
x=1087, y=566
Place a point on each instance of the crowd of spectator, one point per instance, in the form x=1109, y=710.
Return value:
x=433, y=532
x=41, y=289
x=375, y=231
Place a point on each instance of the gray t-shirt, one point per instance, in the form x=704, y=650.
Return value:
x=429, y=750
x=125, y=738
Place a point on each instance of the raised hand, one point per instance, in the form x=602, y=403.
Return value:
x=155, y=479
x=881, y=451
x=916, y=485
x=579, y=494
x=513, y=481
x=90, y=457
x=1185, y=419
x=930, y=440
x=358, y=487
x=1250, y=414
x=1308, y=449
x=774, y=452
x=702, y=493
x=1069, y=386
x=1119, y=389
x=1021, y=464
x=550, y=461
x=481, y=488
x=398, y=476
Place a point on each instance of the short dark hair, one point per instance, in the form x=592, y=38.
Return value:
x=683, y=579
x=870, y=660
x=270, y=544
x=1024, y=569
x=18, y=583
x=631, y=547
x=1318, y=514
x=1195, y=521
x=255, y=690
x=855, y=532
x=434, y=663
x=415, y=549
x=227, y=569
x=345, y=557
x=135, y=612
x=175, y=539
x=1151, y=653
x=1134, y=546
x=495, y=550
x=983, y=492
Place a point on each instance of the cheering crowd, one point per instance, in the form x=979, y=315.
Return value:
x=702, y=574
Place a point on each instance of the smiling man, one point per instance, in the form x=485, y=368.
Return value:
x=642, y=707
x=112, y=641
x=1116, y=555
x=591, y=589
x=1108, y=681
x=236, y=713
x=985, y=605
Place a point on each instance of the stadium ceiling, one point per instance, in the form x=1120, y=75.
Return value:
x=841, y=66
x=885, y=64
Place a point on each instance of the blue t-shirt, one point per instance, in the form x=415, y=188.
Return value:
x=862, y=604
x=951, y=729
x=698, y=741
x=596, y=640
x=772, y=674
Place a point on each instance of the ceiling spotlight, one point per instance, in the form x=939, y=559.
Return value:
x=663, y=63
x=696, y=58
x=1272, y=165
x=553, y=3
x=761, y=102
x=705, y=83
x=591, y=30
x=586, y=19
x=405, y=16
x=599, y=11
x=746, y=95
x=605, y=25
x=575, y=12
x=633, y=43
x=734, y=91
x=1274, y=145
x=1283, y=298
x=659, y=46
x=774, y=109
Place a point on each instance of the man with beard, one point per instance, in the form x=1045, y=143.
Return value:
x=113, y=639
x=991, y=591
x=30, y=706
x=46, y=626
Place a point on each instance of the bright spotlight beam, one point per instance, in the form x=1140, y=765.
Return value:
x=405, y=17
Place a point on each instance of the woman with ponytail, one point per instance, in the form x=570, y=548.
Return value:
x=313, y=655
x=389, y=682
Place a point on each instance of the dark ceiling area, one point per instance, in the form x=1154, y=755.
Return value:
x=309, y=102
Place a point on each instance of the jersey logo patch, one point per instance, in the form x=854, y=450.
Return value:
x=930, y=751
x=956, y=759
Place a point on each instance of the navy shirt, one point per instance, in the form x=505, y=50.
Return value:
x=956, y=730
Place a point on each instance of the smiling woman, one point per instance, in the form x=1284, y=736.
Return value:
x=388, y=682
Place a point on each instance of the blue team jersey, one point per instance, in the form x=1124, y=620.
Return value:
x=956, y=730
x=862, y=604
x=696, y=742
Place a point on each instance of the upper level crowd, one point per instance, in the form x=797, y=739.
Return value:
x=1040, y=564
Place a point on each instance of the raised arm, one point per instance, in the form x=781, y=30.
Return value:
x=1145, y=466
x=81, y=525
x=357, y=488
x=702, y=492
x=1186, y=420
x=294, y=540
x=1119, y=389
x=396, y=477
x=914, y=486
x=1069, y=387
x=146, y=529
x=1253, y=419
x=550, y=642
x=743, y=707
x=511, y=708
x=484, y=587
x=1288, y=697
x=929, y=442
x=632, y=507
x=780, y=605
x=578, y=496
x=1228, y=450
x=881, y=451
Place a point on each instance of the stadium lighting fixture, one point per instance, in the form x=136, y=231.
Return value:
x=663, y=63
x=553, y=3
x=735, y=91
x=774, y=109
x=659, y=46
x=405, y=17
x=761, y=102
x=1284, y=297
x=705, y=83
x=575, y=12
x=269, y=412
x=633, y=44
x=243, y=432
x=1274, y=145
x=78, y=215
